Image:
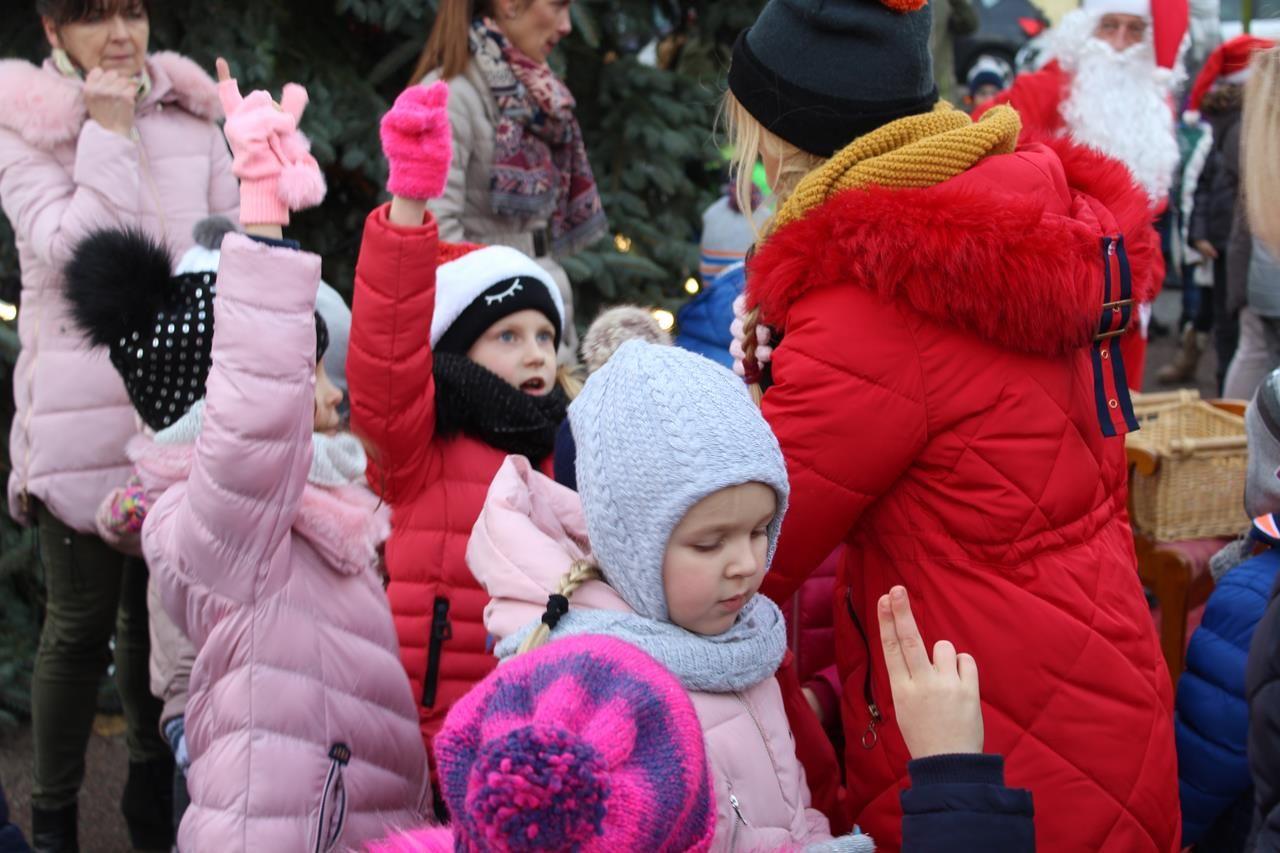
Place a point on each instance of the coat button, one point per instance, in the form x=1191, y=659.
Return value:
x=1113, y=404
x=1106, y=353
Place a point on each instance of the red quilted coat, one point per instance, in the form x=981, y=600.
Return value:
x=934, y=398
x=435, y=487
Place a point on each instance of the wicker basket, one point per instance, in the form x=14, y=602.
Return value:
x=1201, y=454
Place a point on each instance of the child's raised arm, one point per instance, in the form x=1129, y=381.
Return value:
x=958, y=800
x=389, y=362
x=254, y=446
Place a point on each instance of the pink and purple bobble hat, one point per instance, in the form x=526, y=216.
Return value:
x=586, y=744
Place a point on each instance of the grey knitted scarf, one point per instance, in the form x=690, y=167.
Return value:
x=741, y=657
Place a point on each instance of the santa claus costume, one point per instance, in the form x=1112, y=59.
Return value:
x=1116, y=102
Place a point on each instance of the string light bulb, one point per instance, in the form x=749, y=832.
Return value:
x=666, y=320
x=691, y=286
x=622, y=243
x=8, y=311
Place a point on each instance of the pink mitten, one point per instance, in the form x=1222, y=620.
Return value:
x=418, y=142
x=272, y=158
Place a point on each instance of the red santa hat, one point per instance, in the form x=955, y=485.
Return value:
x=1229, y=63
x=1168, y=22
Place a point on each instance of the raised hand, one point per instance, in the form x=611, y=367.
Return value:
x=109, y=98
x=935, y=702
x=272, y=158
x=418, y=142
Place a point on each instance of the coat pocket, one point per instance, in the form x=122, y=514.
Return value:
x=333, y=801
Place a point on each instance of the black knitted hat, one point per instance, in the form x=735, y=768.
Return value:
x=157, y=327
x=821, y=73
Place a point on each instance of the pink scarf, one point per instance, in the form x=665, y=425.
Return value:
x=540, y=165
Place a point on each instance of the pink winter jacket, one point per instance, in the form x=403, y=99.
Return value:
x=62, y=176
x=301, y=727
x=528, y=534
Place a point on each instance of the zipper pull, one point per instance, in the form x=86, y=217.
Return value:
x=733, y=801
x=871, y=737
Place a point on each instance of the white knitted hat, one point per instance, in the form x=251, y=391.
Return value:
x=460, y=282
x=658, y=429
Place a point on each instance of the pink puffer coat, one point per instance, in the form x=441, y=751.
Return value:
x=62, y=176
x=302, y=730
x=523, y=543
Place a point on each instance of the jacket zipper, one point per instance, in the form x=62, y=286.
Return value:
x=331, y=821
x=441, y=631
x=741, y=821
x=870, y=737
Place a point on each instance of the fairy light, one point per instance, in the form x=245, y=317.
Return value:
x=691, y=286
x=666, y=320
x=622, y=242
x=8, y=311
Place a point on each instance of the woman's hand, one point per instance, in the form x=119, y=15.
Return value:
x=936, y=702
x=109, y=98
x=418, y=142
x=272, y=158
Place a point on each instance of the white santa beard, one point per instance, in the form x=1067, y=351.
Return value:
x=1119, y=104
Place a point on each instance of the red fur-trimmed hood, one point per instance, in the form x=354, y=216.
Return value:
x=1009, y=250
x=46, y=108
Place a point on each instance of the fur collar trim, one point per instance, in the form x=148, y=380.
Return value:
x=46, y=109
x=346, y=525
x=969, y=253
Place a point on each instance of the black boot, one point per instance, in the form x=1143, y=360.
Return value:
x=148, y=804
x=54, y=831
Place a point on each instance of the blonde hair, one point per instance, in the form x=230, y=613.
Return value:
x=580, y=572
x=751, y=141
x=569, y=381
x=1260, y=133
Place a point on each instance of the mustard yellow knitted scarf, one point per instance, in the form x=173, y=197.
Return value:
x=912, y=152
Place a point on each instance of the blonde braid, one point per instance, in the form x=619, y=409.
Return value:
x=579, y=573
x=749, y=324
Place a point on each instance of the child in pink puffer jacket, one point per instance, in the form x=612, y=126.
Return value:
x=300, y=724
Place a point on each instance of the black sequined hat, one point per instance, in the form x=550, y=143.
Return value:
x=157, y=327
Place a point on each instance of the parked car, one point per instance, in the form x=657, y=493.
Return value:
x=1004, y=26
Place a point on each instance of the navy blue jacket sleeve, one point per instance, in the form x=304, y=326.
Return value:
x=1263, y=683
x=565, y=460
x=959, y=803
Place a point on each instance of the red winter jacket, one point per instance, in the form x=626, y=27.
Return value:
x=435, y=487
x=934, y=398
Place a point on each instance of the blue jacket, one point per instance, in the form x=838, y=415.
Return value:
x=704, y=320
x=959, y=804
x=1211, y=714
x=11, y=840
x=1263, y=684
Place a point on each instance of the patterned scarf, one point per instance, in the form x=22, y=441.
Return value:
x=540, y=165
x=473, y=400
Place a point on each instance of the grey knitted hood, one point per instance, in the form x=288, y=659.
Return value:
x=658, y=429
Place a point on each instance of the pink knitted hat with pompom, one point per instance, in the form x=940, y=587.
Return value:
x=586, y=744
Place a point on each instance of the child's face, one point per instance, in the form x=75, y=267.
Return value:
x=328, y=398
x=715, y=559
x=985, y=93
x=521, y=348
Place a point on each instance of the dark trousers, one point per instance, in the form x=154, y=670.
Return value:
x=1226, y=326
x=93, y=593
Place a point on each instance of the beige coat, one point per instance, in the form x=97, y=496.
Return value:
x=464, y=212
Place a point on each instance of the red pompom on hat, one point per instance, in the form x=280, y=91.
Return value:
x=1229, y=62
x=1168, y=19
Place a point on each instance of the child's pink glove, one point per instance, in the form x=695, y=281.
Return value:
x=272, y=158
x=763, y=335
x=418, y=142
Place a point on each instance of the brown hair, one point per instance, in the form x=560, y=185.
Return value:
x=1261, y=148
x=580, y=572
x=448, y=47
x=63, y=12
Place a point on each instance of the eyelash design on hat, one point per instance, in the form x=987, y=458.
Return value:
x=499, y=298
